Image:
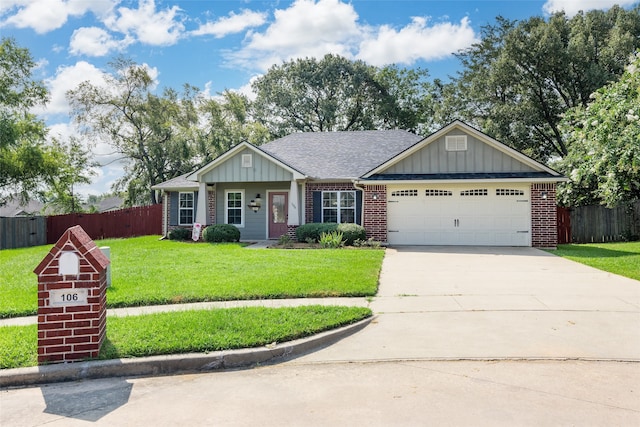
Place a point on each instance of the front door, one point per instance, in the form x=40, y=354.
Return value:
x=277, y=214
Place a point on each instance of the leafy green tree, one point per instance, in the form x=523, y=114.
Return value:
x=75, y=167
x=225, y=122
x=149, y=131
x=522, y=76
x=336, y=94
x=603, y=158
x=24, y=160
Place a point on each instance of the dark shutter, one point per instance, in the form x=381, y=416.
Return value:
x=358, y=207
x=317, y=206
x=173, y=211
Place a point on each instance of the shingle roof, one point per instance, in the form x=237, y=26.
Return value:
x=328, y=155
x=180, y=182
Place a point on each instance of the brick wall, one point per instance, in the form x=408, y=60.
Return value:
x=544, y=232
x=375, y=212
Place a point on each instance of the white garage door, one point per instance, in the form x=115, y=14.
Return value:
x=485, y=215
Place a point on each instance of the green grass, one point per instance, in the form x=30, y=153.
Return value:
x=148, y=271
x=617, y=258
x=191, y=331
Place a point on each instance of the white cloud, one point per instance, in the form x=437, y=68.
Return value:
x=314, y=28
x=94, y=41
x=65, y=79
x=416, y=41
x=158, y=28
x=306, y=29
x=47, y=15
x=232, y=24
x=572, y=7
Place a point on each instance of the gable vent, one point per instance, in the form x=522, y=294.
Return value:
x=456, y=143
x=247, y=160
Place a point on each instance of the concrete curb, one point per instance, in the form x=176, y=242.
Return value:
x=172, y=364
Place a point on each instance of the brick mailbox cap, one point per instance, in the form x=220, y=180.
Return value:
x=76, y=239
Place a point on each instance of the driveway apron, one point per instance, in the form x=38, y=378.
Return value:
x=451, y=303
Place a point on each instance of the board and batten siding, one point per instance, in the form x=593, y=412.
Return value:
x=478, y=158
x=261, y=170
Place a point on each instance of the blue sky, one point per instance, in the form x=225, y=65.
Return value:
x=217, y=45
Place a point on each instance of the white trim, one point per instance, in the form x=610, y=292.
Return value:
x=338, y=207
x=193, y=201
x=462, y=180
x=201, y=208
x=477, y=134
x=242, y=208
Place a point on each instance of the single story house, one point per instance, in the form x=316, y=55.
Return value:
x=457, y=186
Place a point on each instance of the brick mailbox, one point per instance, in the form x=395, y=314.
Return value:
x=72, y=283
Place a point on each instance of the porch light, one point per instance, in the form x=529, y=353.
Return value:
x=255, y=204
x=374, y=196
x=544, y=195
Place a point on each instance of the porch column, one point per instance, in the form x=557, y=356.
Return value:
x=294, y=211
x=201, y=211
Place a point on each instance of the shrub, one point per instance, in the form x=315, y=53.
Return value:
x=351, y=233
x=180, y=234
x=331, y=240
x=314, y=230
x=221, y=233
x=369, y=243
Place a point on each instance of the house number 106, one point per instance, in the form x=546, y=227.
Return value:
x=58, y=297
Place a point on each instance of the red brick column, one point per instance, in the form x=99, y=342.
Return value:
x=375, y=212
x=72, y=283
x=544, y=214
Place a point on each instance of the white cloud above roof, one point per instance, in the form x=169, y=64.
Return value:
x=313, y=28
x=418, y=40
x=149, y=26
x=94, y=41
x=44, y=16
x=572, y=7
x=232, y=24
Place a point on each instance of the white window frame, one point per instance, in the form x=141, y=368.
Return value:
x=186, y=208
x=226, y=207
x=456, y=142
x=338, y=207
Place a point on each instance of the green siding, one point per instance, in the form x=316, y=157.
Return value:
x=261, y=170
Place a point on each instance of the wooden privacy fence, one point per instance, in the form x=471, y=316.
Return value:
x=131, y=222
x=597, y=224
x=20, y=232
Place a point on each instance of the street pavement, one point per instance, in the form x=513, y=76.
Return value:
x=462, y=336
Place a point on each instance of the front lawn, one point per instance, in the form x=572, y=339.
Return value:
x=148, y=271
x=618, y=258
x=190, y=331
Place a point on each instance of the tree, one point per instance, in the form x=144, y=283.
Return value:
x=336, y=94
x=150, y=131
x=603, y=158
x=522, y=76
x=75, y=167
x=225, y=122
x=24, y=161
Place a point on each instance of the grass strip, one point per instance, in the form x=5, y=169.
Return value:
x=191, y=331
x=618, y=258
x=147, y=271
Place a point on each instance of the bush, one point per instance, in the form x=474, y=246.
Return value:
x=221, y=233
x=313, y=231
x=351, y=233
x=180, y=234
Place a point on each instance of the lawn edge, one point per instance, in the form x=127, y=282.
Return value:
x=177, y=363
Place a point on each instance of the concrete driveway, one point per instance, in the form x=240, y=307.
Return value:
x=452, y=303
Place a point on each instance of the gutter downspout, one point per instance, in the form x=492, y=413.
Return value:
x=356, y=186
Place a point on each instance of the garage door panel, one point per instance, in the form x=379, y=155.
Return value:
x=459, y=214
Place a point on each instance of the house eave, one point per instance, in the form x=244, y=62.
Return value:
x=457, y=181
